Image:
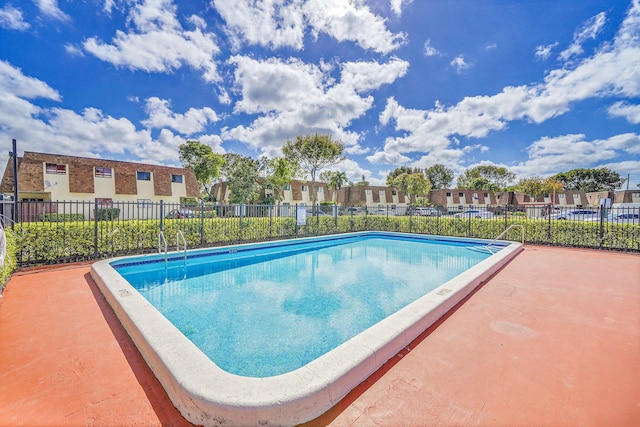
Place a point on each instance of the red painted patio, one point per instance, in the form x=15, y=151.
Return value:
x=553, y=339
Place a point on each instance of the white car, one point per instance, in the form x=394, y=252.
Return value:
x=623, y=218
x=427, y=212
x=474, y=213
x=578, y=214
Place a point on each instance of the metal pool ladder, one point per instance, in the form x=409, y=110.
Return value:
x=180, y=238
x=488, y=247
x=162, y=243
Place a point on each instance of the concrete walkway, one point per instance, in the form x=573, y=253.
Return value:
x=553, y=339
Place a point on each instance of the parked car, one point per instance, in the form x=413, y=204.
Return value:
x=180, y=213
x=354, y=211
x=577, y=215
x=318, y=212
x=474, y=213
x=380, y=212
x=422, y=211
x=623, y=218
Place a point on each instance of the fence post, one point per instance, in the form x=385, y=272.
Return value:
x=201, y=222
x=95, y=229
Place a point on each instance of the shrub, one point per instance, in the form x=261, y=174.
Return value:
x=107, y=214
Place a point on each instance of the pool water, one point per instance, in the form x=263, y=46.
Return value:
x=266, y=311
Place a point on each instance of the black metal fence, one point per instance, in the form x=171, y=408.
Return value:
x=64, y=231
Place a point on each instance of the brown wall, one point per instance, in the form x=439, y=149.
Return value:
x=81, y=179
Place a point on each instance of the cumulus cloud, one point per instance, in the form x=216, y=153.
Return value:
x=543, y=52
x=397, y=5
x=460, y=64
x=11, y=19
x=613, y=71
x=274, y=23
x=50, y=8
x=430, y=50
x=589, y=30
x=284, y=23
x=191, y=122
x=156, y=42
x=90, y=132
x=565, y=152
x=626, y=110
x=293, y=98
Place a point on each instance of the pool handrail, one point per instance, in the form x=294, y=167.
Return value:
x=179, y=237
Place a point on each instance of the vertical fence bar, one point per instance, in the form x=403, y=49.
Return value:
x=95, y=229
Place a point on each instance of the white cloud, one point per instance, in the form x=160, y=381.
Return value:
x=430, y=50
x=460, y=64
x=15, y=84
x=543, y=52
x=293, y=98
x=284, y=23
x=158, y=43
x=11, y=19
x=189, y=123
x=589, y=30
x=549, y=155
x=614, y=71
x=84, y=134
x=397, y=5
x=626, y=110
x=269, y=23
x=351, y=20
x=51, y=9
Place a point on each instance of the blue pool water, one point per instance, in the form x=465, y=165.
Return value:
x=264, y=310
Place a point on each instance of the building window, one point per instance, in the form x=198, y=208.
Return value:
x=320, y=190
x=382, y=193
x=367, y=191
x=176, y=178
x=460, y=194
x=287, y=187
x=144, y=203
x=486, y=195
x=103, y=172
x=394, y=193
x=144, y=176
x=448, y=194
x=303, y=188
x=55, y=169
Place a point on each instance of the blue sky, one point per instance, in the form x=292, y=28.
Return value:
x=539, y=87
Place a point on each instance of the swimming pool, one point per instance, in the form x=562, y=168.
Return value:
x=237, y=391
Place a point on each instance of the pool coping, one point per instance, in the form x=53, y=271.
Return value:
x=205, y=394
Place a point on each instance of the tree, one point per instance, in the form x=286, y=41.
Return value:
x=242, y=174
x=392, y=178
x=494, y=178
x=205, y=164
x=334, y=180
x=533, y=187
x=590, y=180
x=439, y=176
x=410, y=180
x=312, y=153
x=280, y=171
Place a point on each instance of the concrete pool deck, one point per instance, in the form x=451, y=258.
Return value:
x=551, y=339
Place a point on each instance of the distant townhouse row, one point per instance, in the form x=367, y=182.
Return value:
x=52, y=177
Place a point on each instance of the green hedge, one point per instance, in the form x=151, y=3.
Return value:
x=10, y=259
x=54, y=242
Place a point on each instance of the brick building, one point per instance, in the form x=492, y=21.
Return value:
x=56, y=178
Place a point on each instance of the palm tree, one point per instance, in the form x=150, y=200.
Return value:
x=337, y=180
x=334, y=181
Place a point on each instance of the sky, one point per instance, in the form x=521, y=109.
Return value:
x=536, y=86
